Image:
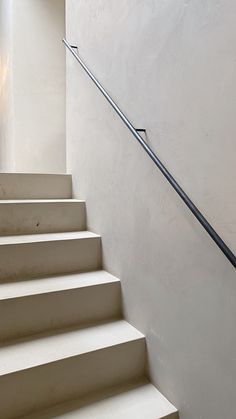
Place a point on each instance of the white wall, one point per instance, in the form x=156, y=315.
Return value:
x=171, y=66
x=6, y=108
x=38, y=80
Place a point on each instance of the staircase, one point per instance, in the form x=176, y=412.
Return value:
x=65, y=349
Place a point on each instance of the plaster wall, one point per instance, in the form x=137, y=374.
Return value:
x=170, y=65
x=6, y=108
x=37, y=66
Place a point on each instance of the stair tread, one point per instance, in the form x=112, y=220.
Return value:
x=54, y=283
x=34, y=174
x=45, y=348
x=32, y=238
x=137, y=401
x=39, y=201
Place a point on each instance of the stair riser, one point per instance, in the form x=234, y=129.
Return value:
x=30, y=218
x=35, y=186
x=28, y=260
x=37, y=388
x=27, y=315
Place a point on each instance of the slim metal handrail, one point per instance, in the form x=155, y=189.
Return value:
x=207, y=226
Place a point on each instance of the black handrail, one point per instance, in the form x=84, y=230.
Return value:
x=217, y=239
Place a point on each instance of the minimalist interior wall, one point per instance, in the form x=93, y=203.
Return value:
x=38, y=80
x=6, y=108
x=170, y=65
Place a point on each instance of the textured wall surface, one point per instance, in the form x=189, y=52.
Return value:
x=36, y=102
x=171, y=66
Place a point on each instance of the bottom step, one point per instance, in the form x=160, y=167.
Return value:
x=140, y=400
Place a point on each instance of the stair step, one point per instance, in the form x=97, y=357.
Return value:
x=48, y=254
x=139, y=400
x=35, y=186
x=37, y=305
x=41, y=216
x=51, y=368
x=65, y=352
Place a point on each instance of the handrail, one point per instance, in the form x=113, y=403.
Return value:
x=217, y=239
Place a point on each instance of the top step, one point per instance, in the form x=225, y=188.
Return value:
x=35, y=186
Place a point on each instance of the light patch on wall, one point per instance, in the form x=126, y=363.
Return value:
x=4, y=71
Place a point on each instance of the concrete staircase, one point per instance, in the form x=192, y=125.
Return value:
x=65, y=349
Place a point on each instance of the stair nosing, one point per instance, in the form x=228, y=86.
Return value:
x=55, y=237
x=40, y=201
x=34, y=174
